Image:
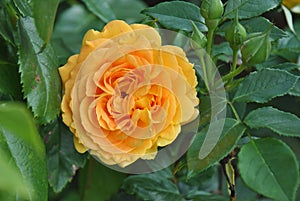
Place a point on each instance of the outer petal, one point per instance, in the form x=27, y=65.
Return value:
x=115, y=28
x=79, y=146
x=65, y=71
x=67, y=76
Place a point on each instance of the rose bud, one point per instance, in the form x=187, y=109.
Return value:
x=212, y=11
x=256, y=48
x=235, y=34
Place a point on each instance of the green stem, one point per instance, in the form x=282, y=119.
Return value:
x=203, y=64
x=234, y=59
x=234, y=111
x=250, y=137
x=234, y=73
x=210, y=37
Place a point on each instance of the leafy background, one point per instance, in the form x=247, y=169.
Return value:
x=256, y=158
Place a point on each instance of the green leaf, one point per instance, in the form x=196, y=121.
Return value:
x=10, y=80
x=223, y=52
x=287, y=66
x=130, y=12
x=296, y=90
x=39, y=74
x=98, y=183
x=176, y=15
x=289, y=47
x=62, y=158
x=259, y=24
x=102, y=10
x=262, y=86
x=70, y=28
x=283, y=123
x=249, y=8
x=23, y=7
x=263, y=166
x=44, y=15
x=254, y=25
x=153, y=186
x=25, y=149
x=273, y=60
x=6, y=31
x=231, y=133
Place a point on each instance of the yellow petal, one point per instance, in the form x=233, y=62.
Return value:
x=168, y=135
x=65, y=71
x=78, y=146
x=114, y=28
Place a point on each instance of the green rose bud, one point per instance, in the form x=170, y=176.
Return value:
x=212, y=9
x=235, y=35
x=199, y=40
x=256, y=48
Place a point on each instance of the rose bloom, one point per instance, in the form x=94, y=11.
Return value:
x=126, y=95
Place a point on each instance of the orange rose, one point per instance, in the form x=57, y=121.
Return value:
x=125, y=94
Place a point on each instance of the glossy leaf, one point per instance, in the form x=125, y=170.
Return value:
x=39, y=74
x=25, y=149
x=289, y=47
x=260, y=24
x=153, y=186
x=264, y=85
x=44, y=13
x=295, y=91
x=249, y=8
x=99, y=183
x=283, y=123
x=231, y=133
x=101, y=9
x=263, y=166
x=223, y=51
x=287, y=66
x=62, y=158
x=176, y=15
